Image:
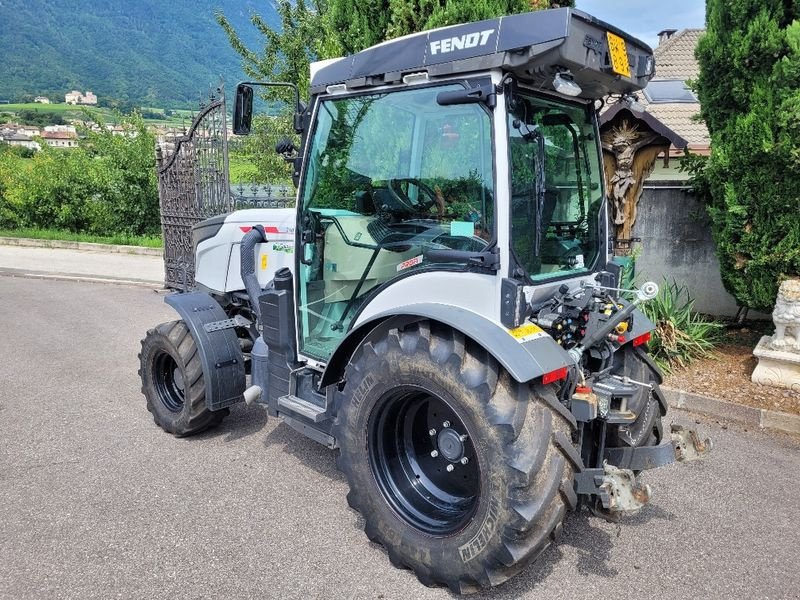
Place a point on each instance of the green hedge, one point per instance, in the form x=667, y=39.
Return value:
x=106, y=186
x=749, y=87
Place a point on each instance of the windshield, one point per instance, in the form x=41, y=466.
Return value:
x=556, y=191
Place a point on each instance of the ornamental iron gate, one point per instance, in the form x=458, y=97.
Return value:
x=194, y=184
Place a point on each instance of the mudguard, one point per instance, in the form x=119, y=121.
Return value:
x=641, y=324
x=217, y=344
x=524, y=358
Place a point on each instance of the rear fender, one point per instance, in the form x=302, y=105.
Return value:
x=525, y=360
x=218, y=346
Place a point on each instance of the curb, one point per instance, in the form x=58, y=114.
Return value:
x=156, y=285
x=756, y=417
x=90, y=246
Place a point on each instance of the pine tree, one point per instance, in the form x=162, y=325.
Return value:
x=749, y=88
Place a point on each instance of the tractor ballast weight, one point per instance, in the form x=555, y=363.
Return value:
x=441, y=306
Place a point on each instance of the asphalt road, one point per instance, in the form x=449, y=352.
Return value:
x=97, y=502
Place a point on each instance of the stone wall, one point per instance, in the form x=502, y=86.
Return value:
x=677, y=244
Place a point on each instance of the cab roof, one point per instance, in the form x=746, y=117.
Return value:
x=534, y=46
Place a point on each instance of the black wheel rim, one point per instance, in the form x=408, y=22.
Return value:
x=424, y=461
x=168, y=381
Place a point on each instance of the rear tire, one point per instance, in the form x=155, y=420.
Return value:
x=647, y=430
x=482, y=522
x=172, y=381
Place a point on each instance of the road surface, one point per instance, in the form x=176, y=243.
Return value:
x=97, y=502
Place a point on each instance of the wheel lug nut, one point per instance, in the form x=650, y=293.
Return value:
x=464, y=437
x=434, y=454
x=432, y=432
x=464, y=460
x=450, y=468
x=446, y=424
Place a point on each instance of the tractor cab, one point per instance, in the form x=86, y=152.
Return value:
x=439, y=167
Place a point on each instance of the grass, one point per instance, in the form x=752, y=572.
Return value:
x=44, y=108
x=182, y=117
x=148, y=241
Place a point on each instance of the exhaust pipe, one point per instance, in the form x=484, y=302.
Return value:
x=248, y=266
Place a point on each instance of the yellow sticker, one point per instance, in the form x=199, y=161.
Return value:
x=619, y=55
x=527, y=332
x=263, y=262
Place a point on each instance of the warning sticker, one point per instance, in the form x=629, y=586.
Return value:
x=263, y=262
x=411, y=262
x=527, y=332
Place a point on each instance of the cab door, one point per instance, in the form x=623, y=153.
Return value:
x=390, y=177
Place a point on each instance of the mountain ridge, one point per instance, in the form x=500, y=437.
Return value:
x=148, y=52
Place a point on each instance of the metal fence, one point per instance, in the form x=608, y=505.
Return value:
x=193, y=185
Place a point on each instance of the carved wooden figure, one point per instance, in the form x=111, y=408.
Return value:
x=629, y=156
x=632, y=141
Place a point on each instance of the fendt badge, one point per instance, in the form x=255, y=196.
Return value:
x=469, y=40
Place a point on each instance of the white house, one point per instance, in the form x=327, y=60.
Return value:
x=75, y=97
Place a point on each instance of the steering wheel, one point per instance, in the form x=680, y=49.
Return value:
x=422, y=204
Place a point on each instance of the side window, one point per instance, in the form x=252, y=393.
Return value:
x=555, y=187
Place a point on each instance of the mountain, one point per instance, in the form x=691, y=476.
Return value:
x=149, y=52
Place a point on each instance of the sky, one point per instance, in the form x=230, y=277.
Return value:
x=645, y=18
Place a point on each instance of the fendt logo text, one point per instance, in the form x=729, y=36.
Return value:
x=469, y=40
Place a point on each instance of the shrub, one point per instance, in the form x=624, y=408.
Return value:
x=106, y=186
x=681, y=334
x=749, y=87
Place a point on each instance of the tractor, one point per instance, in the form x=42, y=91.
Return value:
x=441, y=307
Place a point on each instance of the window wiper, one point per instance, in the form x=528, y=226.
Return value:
x=533, y=134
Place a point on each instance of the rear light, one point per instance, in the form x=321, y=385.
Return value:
x=642, y=339
x=554, y=375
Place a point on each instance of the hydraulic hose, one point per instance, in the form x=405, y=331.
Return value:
x=248, y=266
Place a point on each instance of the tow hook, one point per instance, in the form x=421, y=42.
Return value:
x=688, y=445
x=620, y=492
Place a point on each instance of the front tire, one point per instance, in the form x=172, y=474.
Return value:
x=418, y=402
x=172, y=381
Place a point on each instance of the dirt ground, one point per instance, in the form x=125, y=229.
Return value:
x=726, y=376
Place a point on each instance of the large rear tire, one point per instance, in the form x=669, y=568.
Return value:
x=172, y=381
x=647, y=430
x=415, y=405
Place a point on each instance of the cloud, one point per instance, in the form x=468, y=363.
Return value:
x=645, y=18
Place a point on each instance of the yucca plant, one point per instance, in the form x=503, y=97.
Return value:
x=681, y=334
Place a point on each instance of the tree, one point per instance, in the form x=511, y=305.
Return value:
x=749, y=88
x=288, y=52
x=352, y=26
x=105, y=186
x=410, y=16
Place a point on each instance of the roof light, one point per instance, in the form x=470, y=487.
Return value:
x=633, y=103
x=335, y=89
x=421, y=77
x=564, y=83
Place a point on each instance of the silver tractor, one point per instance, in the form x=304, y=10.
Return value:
x=441, y=307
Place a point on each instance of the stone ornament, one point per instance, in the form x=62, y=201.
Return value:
x=786, y=317
x=779, y=355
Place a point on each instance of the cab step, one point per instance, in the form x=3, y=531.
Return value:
x=297, y=406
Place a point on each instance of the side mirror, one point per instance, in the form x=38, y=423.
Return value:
x=243, y=109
